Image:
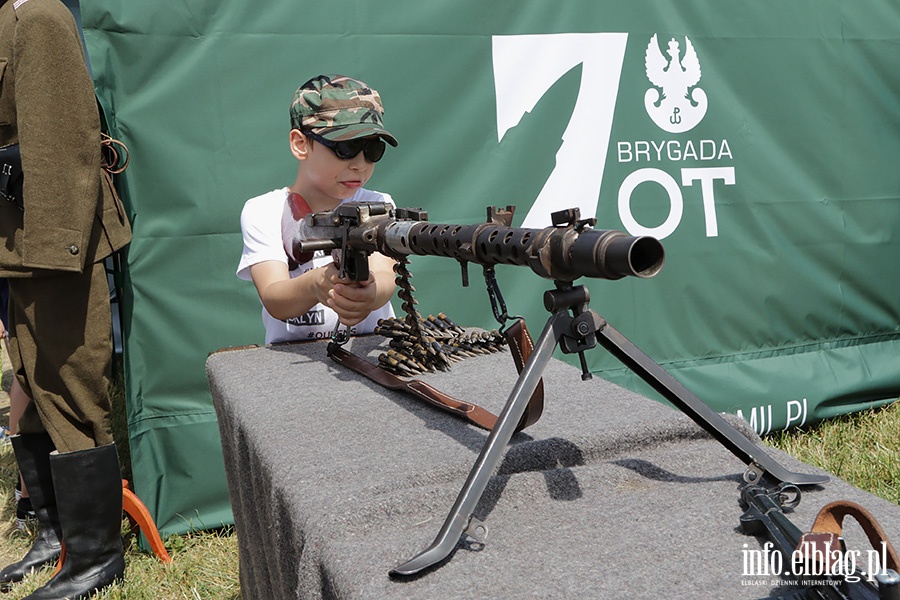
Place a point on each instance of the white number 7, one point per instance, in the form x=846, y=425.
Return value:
x=525, y=67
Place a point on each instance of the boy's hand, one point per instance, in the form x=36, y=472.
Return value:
x=285, y=297
x=352, y=300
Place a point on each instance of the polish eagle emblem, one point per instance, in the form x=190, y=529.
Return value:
x=675, y=103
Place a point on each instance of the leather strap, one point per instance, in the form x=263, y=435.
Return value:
x=521, y=346
x=470, y=412
x=828, y=526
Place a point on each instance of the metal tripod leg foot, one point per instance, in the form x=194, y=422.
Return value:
x=559, y=329
x=460, y=520
x=711, y=421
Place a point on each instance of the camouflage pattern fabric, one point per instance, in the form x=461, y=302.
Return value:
x=339, y=108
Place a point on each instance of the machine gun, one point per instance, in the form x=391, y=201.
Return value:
x=817, y=563
x=564, y=252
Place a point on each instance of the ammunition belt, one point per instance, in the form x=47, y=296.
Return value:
x=521, y=346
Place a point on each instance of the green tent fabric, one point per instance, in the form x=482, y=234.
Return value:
x=768, y=169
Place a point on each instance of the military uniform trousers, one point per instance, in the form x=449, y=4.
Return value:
x=61, y=353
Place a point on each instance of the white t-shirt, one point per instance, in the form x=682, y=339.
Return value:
x=261, y=229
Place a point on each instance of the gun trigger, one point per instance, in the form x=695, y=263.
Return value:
x=345, y=258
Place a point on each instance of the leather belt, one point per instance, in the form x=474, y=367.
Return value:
x=520, y=346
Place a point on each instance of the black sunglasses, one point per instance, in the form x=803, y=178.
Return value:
x=372, y=148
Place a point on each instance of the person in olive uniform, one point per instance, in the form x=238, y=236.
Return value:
x=60, y=342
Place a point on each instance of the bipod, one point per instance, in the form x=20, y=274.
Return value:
x=575, y=333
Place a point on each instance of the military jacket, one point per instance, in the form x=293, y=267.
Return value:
x=72, y=217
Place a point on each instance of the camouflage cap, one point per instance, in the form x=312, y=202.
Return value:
x=339, y=108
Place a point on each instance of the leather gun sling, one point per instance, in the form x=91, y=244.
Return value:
x=829, y=526
x=520, y=345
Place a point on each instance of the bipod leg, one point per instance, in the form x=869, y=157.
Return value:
x=460, y=520
x=759, y=463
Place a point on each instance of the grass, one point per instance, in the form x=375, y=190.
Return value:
x=204, y=564
x=863, y=449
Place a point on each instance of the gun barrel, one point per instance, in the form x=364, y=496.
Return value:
x=559, y=253
x=765, y=515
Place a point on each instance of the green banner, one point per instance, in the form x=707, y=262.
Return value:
x=757, y=140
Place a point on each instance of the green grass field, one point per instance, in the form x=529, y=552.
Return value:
x=862, y=449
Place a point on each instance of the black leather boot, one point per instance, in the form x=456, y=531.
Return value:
x=89, y=496
x=33, y=457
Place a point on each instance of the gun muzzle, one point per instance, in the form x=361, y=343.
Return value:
x=566, y=254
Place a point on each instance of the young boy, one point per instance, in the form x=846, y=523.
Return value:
x=337, y=136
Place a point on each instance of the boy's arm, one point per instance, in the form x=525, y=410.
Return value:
x=284, y=297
